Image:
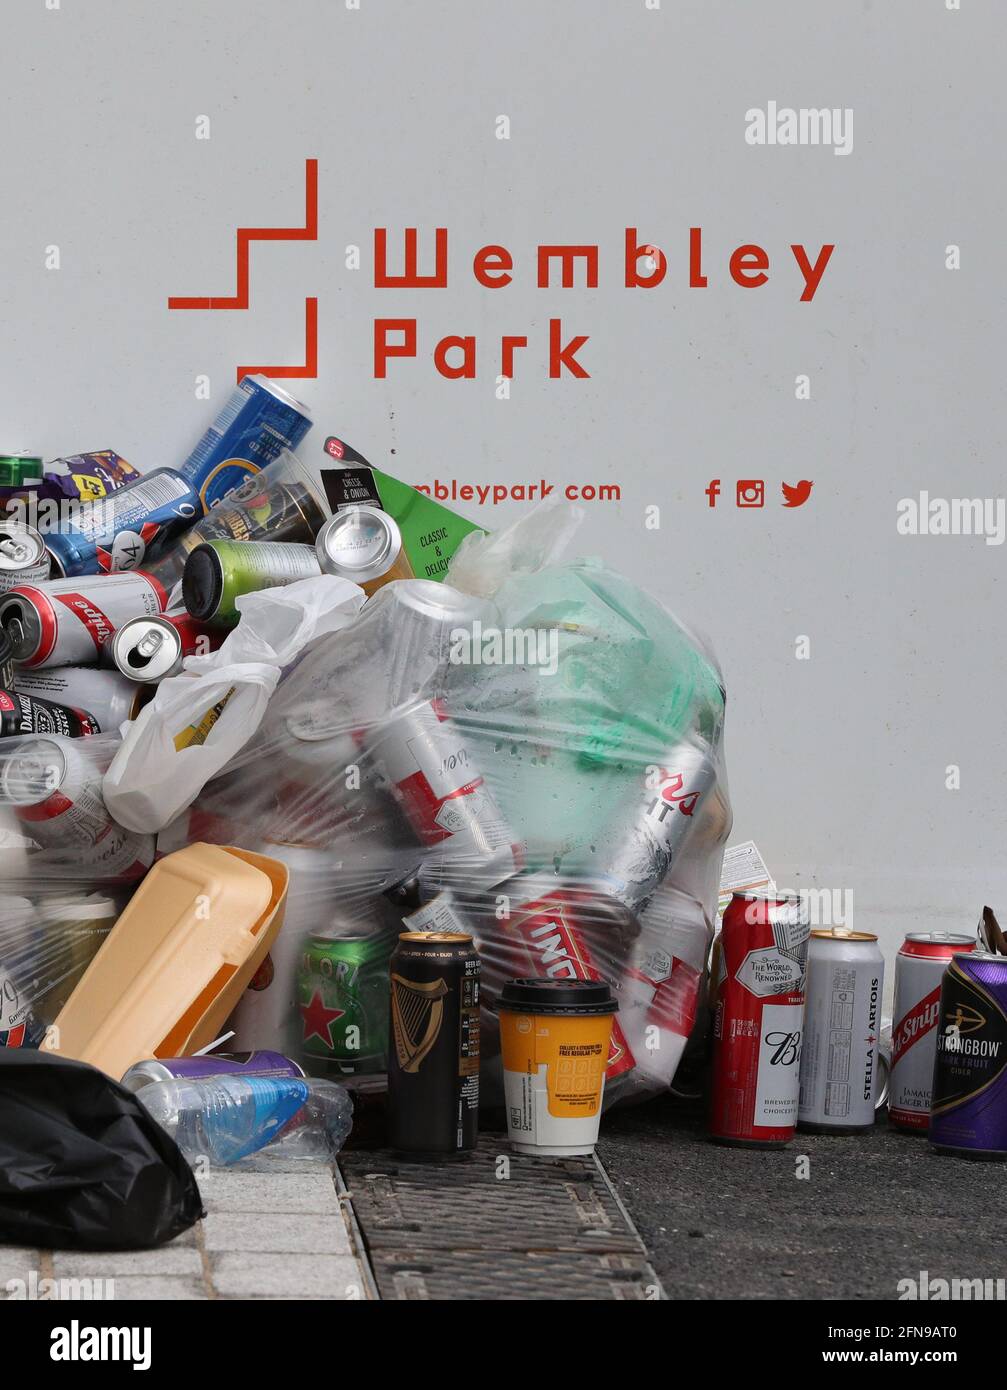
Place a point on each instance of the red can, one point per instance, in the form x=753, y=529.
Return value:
x=758, y=999
x=919, y=969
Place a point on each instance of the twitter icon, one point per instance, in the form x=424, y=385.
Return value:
x=796, y=494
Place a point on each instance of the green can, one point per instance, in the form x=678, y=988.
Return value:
x=218, y=572
x=342, y=995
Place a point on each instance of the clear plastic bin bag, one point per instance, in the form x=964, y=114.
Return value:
x=538, y=762
x=67, y=869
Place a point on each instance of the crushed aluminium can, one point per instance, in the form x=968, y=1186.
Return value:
x=115, y=532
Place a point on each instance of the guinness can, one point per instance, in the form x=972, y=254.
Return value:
x=968, y=1114
x=433, y=1052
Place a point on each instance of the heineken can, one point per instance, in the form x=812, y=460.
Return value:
x=343, y=1002
x=217, y=573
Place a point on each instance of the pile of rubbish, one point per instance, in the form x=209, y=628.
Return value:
x=266, y=724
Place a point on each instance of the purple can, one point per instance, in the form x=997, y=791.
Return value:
x=968, y=1116
x=143, y=1074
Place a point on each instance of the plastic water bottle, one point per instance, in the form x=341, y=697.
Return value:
x=223, y=1119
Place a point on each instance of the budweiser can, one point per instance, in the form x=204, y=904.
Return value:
x=840, y=1057
x=555, y=931
x=68, y=621
x=149, y=649
x=758, y=1019
x=54, y=787
x=433, y=775
x=919, y=968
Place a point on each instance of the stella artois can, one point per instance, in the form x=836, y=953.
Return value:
x=919, y=969
x=758, y=1019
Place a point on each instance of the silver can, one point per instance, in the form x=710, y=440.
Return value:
x=635, y=854
x=23, y=556
x=362, y=544
x=150, y=649
x=54, y=787
x=842, y=1071
x=919, y=969
x=68, y=621
x=107, y=696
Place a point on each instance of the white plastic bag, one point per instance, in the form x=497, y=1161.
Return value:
x=199, y=720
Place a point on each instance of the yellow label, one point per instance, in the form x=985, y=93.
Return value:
x=87, y=486
x=194, y=734
x=573, y=1048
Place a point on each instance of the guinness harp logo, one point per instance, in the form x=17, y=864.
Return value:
x=417, y=1014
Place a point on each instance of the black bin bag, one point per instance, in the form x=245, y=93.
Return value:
x=82, y=1164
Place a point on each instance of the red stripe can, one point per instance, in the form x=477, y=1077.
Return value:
x=919, y=968
x=759, y=968
x=67, y=622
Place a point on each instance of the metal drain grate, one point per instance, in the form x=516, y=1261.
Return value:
x=480, y=1228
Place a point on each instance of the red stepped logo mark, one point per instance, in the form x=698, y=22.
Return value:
x=240, y=300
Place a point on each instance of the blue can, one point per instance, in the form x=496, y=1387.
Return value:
x=116, y=532
x=258, y=420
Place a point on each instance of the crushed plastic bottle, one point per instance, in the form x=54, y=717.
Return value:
x=221, y=1120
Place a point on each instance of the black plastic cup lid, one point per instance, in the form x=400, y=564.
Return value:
x=558, y=997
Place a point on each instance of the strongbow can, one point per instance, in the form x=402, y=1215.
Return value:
x=919, y=969
x=554, y=1038
x=68, y=621
x=968, y=1116
x=758, y=1019
x=840, y=1056
x=256, y=422
x=117, y=531
x=433, y=1049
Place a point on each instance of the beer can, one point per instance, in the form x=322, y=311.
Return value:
x=154, y=1069
x=433, y=1046
x=115, y=532
x=919, y=969
x=758, y=1015
x=258, y=511
x=107, y=696
x=25, y=714
x=256, y=422
x=556, y=930
x=67, y=622
x=434, y=776
x=23, y=556
x=635, y=855
x=150, y=649
x=840, y=1059
x=217, y=573
x=54, y=787
x=343, y=1002
x=19, y=970
x=363, y=544
x=968, y=1116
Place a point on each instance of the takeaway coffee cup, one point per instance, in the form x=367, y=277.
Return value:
x=554, y=1036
